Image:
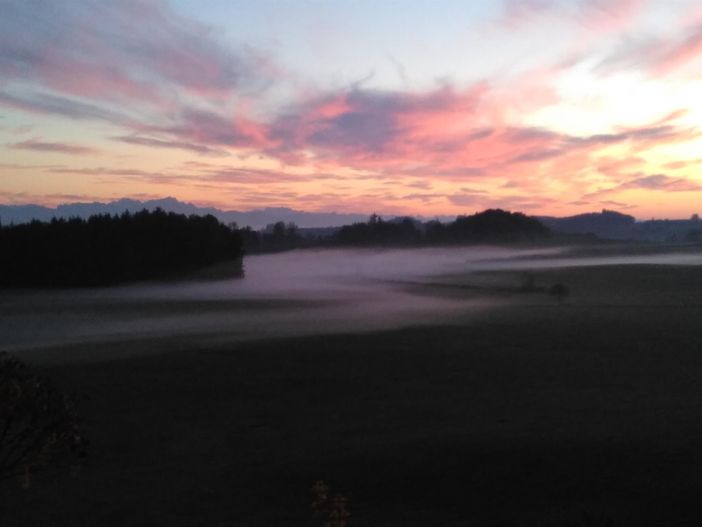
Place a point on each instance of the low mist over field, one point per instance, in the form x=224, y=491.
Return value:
x=300, y=292
x=288, y=293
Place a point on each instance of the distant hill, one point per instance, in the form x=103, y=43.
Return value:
x=605, y=224
x=617, y=226
x=256, y=219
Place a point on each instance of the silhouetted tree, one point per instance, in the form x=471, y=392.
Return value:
x=400, y=231
x=279, y=237
x=38, y=423
x=496, y=225
x=250, y=239
x=436, y=232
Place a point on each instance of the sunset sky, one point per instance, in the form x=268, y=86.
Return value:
x=400, y=107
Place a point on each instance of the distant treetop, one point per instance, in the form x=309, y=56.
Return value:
x=490, y=226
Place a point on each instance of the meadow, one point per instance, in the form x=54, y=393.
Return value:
x=532, y=411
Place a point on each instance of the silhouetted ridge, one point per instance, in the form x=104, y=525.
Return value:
x=490, y=226
x=605, y=224
x=106, y=249
x=257, y=218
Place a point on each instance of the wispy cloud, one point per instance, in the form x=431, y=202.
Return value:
x=118, y=50
x=657, y=55
x=603, y=16
x=159, y=143
x=654, y=182
x=37, y=145
x=44, y=103
x=136, y=64
x=679, y=52
x=661, y=182
x=607, y=16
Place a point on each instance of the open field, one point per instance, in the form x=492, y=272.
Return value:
x=529, y=413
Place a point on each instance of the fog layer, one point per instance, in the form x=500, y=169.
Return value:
x=292, y=293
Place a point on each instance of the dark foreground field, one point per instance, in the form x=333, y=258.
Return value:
x=534, y=414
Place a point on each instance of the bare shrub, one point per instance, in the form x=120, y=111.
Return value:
x=333, y=509
x=38, y=423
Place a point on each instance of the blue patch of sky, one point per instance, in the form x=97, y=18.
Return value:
x=396, y=44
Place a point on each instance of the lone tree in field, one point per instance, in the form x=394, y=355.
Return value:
x=38, y=423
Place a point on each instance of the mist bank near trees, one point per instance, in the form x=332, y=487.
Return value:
x=105, y=249
x=111, y=249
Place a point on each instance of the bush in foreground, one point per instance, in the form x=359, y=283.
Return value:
x=38, y=423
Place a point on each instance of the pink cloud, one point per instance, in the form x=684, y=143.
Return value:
x=518, y=12
x=654, y=182
x=659, y=56
x=390, y=129
x=603, y=16
x=205, y=129
x=677, y=54
x=610, y=15
x=122, y=50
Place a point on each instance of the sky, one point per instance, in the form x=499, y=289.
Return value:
x=427, y=107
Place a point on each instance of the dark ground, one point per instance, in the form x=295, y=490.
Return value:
x=536, y=414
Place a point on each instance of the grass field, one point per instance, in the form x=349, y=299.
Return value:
x=532, y=413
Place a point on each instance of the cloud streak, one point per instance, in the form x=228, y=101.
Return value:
x=159, y=143
x=36, y=145
x=655, y=182
x=44, y=103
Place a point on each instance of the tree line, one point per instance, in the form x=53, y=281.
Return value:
x=105, y=249
x=490, y=226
